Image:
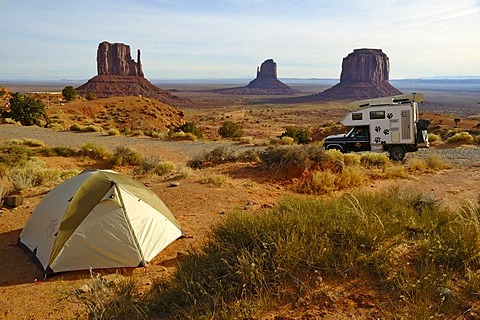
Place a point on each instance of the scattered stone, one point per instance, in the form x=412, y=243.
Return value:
x=174, y=184
x=84, y=289
x=13, y=201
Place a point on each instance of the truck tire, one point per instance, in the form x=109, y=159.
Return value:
x=397, y=153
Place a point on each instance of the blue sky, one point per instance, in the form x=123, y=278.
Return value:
x=194, y=39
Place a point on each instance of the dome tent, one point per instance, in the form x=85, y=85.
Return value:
x=98, y=219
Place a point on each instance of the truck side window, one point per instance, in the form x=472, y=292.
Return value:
x=377, y=114
x=356, y=116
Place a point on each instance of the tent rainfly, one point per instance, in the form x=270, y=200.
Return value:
x=98, y=219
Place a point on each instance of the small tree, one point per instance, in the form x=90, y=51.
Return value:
x=27, y=110
x=230, y=130
x=69, y=93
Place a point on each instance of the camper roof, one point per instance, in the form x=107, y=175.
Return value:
x=392, y=100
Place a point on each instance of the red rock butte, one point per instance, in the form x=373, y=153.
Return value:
x=365, y=75
x=119, y=75
x=266, y=83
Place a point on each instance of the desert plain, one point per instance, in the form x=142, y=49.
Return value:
x=197, y=204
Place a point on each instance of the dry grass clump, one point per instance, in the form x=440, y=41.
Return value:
x=223, y=155
x=125, y=156
x=435, y=162
x=416, y=164
x=326, y=181
x=293, y=160
x=35, y=174
x=434, y=138
x=154, y=165
x=461, y=137
x=88, y=128
x=216, y=179
x=113, y=132
x=94, y=151
x=373, y=159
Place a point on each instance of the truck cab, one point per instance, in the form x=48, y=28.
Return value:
x=389, y=124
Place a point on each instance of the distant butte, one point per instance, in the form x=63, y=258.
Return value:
x=119, y=75
x=266, y=83
x=365, y=75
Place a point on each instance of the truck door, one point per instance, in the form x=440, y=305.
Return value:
x=359, y=139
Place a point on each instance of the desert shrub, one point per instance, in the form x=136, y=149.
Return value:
x=326, y=181
x=216, y=179
x=32, y=142
x=292, y=160
x=185, y=172
x=395, y=171
x=416, y=164
x=432, y=137
x=124, y=156
x=372, y=159
x=94, y=151
x=222, y=155
x=14, y=155
x=75, y=127
x=31, y=175
x=92, y=128
x=435, y=162
x=90, y=96
x=69, y=93
x=230, y=130
x=26, y=110
x=190, y=127
x=58, y=152
x=154, y=165
x=246, y=140
x=299, y=135
x=463, y=137
x=287, y=140
x=117, y=299
x=4, y=190
x=113, y=132
x=352, y=159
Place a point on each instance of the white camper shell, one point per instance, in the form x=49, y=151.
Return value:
x=392, y=125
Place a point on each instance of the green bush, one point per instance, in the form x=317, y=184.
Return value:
x=230, y=130
x=191, y=127
x=69, y=93
x=299, y=135
x=26, y=110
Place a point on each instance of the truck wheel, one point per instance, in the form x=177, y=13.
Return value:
x=397, y=153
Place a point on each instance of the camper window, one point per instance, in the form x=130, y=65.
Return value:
x=377, y=114
x=357, y=116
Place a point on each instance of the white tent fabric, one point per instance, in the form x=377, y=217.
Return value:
x=98, y=219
